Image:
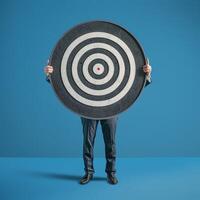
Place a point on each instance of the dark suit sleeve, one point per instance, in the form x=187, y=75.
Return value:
x=47, y=79
x=148, y=80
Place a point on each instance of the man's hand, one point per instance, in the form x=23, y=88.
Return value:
x=48, y=70
x=147, y=68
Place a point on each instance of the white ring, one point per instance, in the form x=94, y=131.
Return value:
x=98, y=69
x=89, y=102
x=110, y=70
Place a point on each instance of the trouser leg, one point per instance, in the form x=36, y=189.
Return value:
x=89, y=133
x=109, y=130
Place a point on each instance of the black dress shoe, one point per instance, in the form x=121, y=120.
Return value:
x=112, y=179
x=86, y=178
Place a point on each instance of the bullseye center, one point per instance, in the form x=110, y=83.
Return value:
x=98, y=68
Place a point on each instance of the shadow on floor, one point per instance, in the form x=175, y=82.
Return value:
x=65, y=177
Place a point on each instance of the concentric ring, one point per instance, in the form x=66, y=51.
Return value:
x=98, y=69
x=90, y=91
x=91, y=66
x=86, y=71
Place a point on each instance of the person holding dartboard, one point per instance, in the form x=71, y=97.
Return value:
x=98, y=66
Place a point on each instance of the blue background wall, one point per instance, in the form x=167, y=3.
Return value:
x=165, y=119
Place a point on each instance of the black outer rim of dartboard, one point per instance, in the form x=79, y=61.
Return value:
x=99, y=112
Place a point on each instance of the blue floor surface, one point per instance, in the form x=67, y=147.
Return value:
x=139, y=178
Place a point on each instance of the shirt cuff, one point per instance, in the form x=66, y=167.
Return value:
x=148, y=78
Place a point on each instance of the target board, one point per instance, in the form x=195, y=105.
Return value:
x=97, y=69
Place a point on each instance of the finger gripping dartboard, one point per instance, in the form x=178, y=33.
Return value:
x=97, y=69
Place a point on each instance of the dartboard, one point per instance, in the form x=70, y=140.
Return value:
x=97, y=69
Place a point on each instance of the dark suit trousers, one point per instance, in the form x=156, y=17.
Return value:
x=89, y=133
